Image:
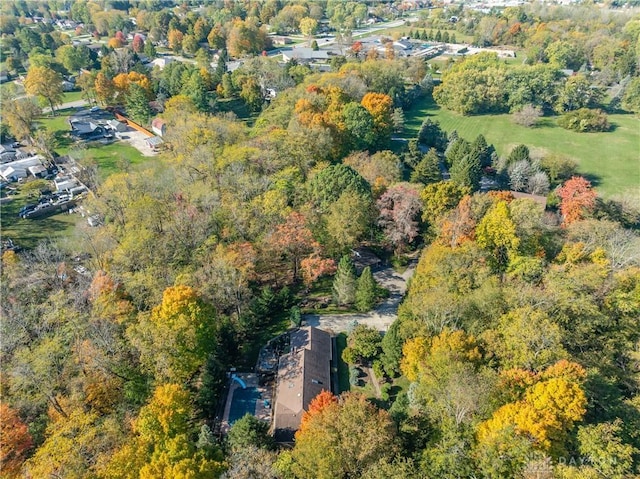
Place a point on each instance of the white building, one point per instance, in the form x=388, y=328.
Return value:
x=19, y=168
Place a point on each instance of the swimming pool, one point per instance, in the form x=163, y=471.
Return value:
x=243, y=401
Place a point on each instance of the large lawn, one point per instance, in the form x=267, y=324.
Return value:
x=610, y=160
x=28, y=233
x=108, y=157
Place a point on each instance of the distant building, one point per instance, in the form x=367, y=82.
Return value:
x=280, y=40
x=305, y=55
x=19, y=168
x=302, y=374
x=160, y=62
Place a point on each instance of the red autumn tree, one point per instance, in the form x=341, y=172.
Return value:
x=400, y=208
x=15, y=440
x=459, y=226
x=138, y=43
x=293, y=240
x=318, y=404
x=313, y=267
x=576, y=199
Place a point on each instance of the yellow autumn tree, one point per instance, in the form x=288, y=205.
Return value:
x=546, y=413
x=175, y=339
x=414, y=353
x=496, y=233
x=46, y=84
x=380, y=106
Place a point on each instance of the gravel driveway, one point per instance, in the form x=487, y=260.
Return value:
x=381, y=317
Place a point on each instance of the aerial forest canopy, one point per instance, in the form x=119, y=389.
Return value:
x=513, y=354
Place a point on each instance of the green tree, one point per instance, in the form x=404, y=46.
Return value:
x=428, y=169
x=366, y=291
x=529, y=340
x=331, y=182
x=73, y=58
x=249, y=431
x=344, y=282
x=150, y=49
x=348, y=219
x=364, y=344
x=20, y=115
x=138, y=104
x=467, y=172
x=359, y=123
x=323, y=450
x=605, y=450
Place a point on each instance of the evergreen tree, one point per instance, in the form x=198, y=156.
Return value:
x=445, y=37
x=483, y=150
x=150, y=50
x=438, y=37
x=344, y=283
x=467, y=172
x=519, y=153
x=431, y=135
x=428, y=170
x=138, y=104
x=413, y=155
x=366, y=291
x=452, y=38
x=221, y=67
x=314, y=46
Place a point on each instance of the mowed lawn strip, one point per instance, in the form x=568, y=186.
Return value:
x=611, y=160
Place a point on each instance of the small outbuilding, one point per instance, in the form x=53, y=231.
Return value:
x=159, y=126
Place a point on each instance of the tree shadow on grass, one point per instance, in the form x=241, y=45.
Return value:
x=594, y=179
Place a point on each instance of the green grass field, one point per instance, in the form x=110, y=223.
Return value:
x=28, y=233
x=610, y=160
x=108, y=157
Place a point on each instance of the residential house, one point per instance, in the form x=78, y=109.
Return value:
x=302, y=374
x=19, y=168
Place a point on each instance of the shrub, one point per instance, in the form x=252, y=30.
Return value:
x=378, y=369
x=354, y=375
x=584, y=120
x=528, y=115
x=384, y=391
x=295, y=316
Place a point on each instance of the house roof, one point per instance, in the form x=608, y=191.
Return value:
x=158, y=123
x=302, y=374
x=154, y=141
x=305, y=54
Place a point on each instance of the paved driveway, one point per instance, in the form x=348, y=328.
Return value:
x=381, y=317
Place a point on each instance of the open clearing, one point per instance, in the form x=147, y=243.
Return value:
x=610, y=160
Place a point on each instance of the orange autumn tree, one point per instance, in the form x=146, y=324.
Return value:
x=294, y=242
x=317, y=405
x=577, y=199
x=15, y=441
x=381, y=108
